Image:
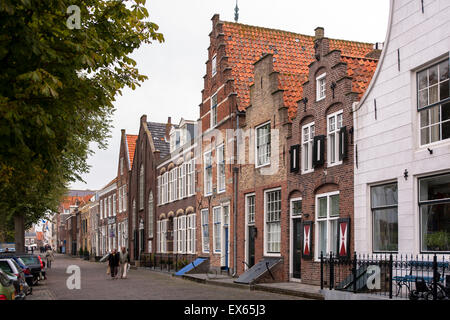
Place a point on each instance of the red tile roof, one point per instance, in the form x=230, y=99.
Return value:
x=292, y=54
x=361, y=70
x=131, y=143
x=71, y=200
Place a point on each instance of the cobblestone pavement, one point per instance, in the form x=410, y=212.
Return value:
x=140, y=285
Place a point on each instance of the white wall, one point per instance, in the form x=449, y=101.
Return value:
x=389, y=145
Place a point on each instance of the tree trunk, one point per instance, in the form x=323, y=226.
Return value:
x=19, y=233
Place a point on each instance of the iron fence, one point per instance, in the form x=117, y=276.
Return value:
x=414, y=277
x=170, y=262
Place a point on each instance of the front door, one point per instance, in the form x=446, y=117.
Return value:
x=251, y=246
x=296, y=248
x=225, y=230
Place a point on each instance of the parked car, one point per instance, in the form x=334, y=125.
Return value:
x=12, y=269
x=7, y=290
x=29, y=277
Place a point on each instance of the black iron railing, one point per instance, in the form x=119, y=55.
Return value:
x=424, y=276
x=170, y=262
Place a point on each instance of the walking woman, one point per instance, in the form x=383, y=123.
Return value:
x=113, y=261
x=124, y=261
x=50, y=257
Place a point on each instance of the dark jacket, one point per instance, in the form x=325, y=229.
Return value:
x=114, y=259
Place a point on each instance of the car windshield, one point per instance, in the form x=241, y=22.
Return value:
x=30, y=260
x=5, y=266
x=21, y=261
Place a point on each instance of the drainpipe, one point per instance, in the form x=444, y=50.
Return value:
x=235, y=175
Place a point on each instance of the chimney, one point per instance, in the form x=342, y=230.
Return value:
x=319, y=33
x=168, y=127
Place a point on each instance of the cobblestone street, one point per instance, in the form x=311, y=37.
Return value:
x=140, y=285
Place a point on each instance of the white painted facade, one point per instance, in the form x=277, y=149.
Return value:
x=388, y=143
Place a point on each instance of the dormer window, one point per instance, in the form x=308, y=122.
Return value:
x=214, y=66
x=174, y=140
x=320, y=87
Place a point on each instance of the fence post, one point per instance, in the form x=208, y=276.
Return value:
x=321, y=270
x=354, y=272
x=390, y=275
x=435, y=277
x=331, y=271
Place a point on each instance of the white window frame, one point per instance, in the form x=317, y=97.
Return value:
x=207, y=176
x=186, y=179
x=180, y=182
x=266, y=253
x=214, y=65
x=150, y=213
x=120, y=199
x=220, y=156
x=334, y=135
x=308, y=167
x=269, y=144
x=217, y=234
x=321, y=85
x=205, y=241
x=114, y=205
x=192, y=178
x=165, y=187
x=248, y=223
x=328, y=220
x=213, y=116
x=191, y=223
x=158, y=188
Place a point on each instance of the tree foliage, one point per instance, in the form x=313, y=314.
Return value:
x=57, y=88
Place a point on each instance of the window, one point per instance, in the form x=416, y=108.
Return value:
x=164, y=235
x=134, y=214
x=124, y=202
x=217, y=220
x=114, y=204
x=159, y=189
x=190, y=233
x=433, y=103
x=296, y=207
x=208, y=173
x=221, y=168
x=181, y=181
x=327, y=215
x=120, y=199
x=320, y=87
x=272, y=215
x=334, y=126
x=186, y=178
x=121, y=165
x=110, y=206
x=205, y=230
x=183, y=234
x=174, y=184
x=214, y=65
x=101, y=209
x=192, y=178
x=384, y=204
x=158, y=236
x=175, y=235
x=165, y=187
x=250, y=206
x=434, y=205
x=150, y=215
x=213, y=110
x=307, y=147
x=141, y=188
x=170, y=186
x=263, y=145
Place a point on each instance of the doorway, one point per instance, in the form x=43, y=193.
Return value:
x=296, y=239
x=251, y=246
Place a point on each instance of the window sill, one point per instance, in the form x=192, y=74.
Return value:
x=320, y=99
x=306, y=172
x=334, y=164
x=262, y=165
x=266, y=254
x=436, y=144
x=221, y=191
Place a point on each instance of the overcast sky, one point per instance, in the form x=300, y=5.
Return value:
x=176, y=67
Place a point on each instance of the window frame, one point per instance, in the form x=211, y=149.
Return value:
x=214, y=65
x=328, y=220
x=269, y=144
x=266, y=244
x=213, y=109
x=319, y=89
x=220, y=156
x=207, y=175
x=337, y=140
x=308, y=167
x=217, y=234
x=247, y=211
x=204, y=213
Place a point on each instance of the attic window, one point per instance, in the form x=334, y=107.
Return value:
x=320, y=87
x=214, y=65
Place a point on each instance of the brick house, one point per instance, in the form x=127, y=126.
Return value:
x=108, y=212
x=126, y=155
x=233, y=50
x=151, y=146
x=176, y=212
x=320, y=193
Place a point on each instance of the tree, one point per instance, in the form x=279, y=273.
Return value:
x=57, y=89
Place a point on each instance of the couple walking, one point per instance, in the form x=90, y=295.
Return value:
x=118, y=262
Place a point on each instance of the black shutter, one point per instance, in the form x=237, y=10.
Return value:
x=294, y=158
x=343, y=143
x=318, y=151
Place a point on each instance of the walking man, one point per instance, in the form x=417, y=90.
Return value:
x=49, y=256
x=113, y=261
x=124, y=261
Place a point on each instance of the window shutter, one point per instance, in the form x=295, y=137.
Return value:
x=343, y=232
x=343, y=143
x=294, y=158
x=307, y=229
x=318, y=150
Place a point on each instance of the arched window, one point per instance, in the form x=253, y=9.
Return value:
x=150, y=215
x=141, y=188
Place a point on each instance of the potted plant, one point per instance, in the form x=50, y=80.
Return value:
x=438, y=241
